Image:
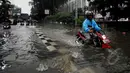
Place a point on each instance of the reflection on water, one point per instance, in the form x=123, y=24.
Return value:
x=4, y=48
x=120, y=39
x=6, y=34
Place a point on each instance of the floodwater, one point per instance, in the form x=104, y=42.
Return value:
x=20, y=48
x=95, y=56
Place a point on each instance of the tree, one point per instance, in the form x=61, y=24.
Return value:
x=38, y=7
x=4, y=10
x=80, y=11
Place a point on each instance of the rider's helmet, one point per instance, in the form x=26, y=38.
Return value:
x=89, y=15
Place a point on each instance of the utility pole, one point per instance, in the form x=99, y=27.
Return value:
x=53, y=8
x=68, y=5
x=76, y=12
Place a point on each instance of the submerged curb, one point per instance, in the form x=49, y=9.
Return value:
x=50, y=44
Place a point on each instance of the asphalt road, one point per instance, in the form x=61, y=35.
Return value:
x=21, y=50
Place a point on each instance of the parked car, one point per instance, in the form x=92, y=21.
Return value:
x=6, y=25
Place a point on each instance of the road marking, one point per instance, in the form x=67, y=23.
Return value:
x=47, y=38
x=53, y=43
x=51, y=48
x=50, y=45
x=44, y=41
x=39, y=32
x=42, y=37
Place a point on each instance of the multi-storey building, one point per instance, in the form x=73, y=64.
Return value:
x=71, y=5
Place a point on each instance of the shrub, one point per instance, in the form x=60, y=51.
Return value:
x=61, y=17
x=80, y=20
x=64, y=17
x=51, y=17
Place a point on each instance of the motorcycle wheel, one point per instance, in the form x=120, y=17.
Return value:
x=96, y=42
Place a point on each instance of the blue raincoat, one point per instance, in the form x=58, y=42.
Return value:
x=92, y=23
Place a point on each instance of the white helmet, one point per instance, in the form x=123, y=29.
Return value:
x=89, y=13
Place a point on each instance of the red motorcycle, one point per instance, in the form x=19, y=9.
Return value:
x=99, y=39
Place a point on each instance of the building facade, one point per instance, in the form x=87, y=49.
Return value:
x=71, y=5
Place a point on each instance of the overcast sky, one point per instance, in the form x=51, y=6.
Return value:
x=22, y=4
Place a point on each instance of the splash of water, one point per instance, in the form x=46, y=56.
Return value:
x=113, y=54
x=42, y=67
x=3, y=65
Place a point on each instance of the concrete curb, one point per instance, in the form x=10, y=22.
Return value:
x=50, y=44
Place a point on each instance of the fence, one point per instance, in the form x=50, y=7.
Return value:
x=120, y=25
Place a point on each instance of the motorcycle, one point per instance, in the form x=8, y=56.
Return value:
x=99, y=39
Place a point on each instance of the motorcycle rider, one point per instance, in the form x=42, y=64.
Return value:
x=89, y=25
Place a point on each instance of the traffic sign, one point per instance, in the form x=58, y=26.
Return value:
x=46, y=11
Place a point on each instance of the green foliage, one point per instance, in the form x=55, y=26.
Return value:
x=80, y=20
x=4, y=10
x=65, y=18
x=61, y=17
x=50, y=17
x=38, y=6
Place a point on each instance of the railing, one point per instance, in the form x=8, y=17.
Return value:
x=116, y=24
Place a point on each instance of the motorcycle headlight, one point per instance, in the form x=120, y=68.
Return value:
x=103, y=36
x=105, y=41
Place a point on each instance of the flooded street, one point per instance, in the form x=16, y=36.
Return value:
x=23, y=48
x=94, y=57
x=19, y=51
x=64, y=36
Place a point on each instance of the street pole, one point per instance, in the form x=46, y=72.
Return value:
x=76, y=16
x=53, y=7
x=76, y=12
x=68, y=6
